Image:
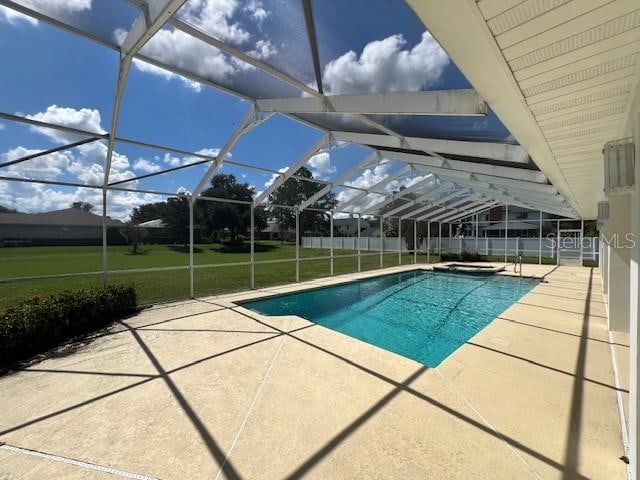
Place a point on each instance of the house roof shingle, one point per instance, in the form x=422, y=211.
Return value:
x=68, y=217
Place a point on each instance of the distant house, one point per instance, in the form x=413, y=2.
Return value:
x=156, y=224
x=156, y=231
x=348, y=227
x=521, y=222
x=70, y=226
x=272, y=232
x=370, y=231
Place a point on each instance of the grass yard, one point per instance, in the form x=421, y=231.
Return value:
x=153, y=287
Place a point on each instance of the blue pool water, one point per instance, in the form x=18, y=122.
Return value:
x=421, y=315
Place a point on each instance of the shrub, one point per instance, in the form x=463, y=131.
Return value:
x=470, y=257
x=460, y=257
x=39, y=323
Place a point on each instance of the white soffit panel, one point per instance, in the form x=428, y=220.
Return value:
x=560, y=74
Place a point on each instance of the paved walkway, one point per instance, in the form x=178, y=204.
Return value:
x=204, y=389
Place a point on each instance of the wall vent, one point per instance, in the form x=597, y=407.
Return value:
x=619, y=166
x=603, y=211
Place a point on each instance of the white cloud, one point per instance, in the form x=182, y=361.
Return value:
x=33, y=197
x=268, y=183
x=82, y=164
x=320, y=166
x=146, y=166
x=215, y=17
x=166, y=74
x=263, y=49
x=256, y=11
x=57, y=8
x=370, y=176
x=386, y=66
x=365, y=180
x=83, y=119
x=47, y=167
x=88, y=164
x=174, y=161
x=120, y=204
x=415, y=180
x=14, y=17
x=211, y=152
x=178, y=49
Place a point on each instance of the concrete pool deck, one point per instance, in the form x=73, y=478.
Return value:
x=206, y=389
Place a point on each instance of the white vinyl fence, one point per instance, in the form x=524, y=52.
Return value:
x=351, y=243
x=491, y=246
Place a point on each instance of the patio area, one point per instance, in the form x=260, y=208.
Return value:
x=206, y=389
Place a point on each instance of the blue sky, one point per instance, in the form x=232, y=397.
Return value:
x=58, y=77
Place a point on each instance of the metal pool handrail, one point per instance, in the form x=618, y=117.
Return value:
x=516, y=263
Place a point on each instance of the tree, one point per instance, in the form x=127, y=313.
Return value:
x=148, y=211
x=84, y=206
x=295, y=191
x=134, y=234
x=216, y=216
x=7, y=210
x=176, y=218
x=390, y=225
x=209, y=216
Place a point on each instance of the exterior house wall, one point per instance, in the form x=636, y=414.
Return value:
x=619, y=256
x=634, y=299
x=56, y=235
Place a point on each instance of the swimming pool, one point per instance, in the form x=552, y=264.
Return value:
x=419, y=314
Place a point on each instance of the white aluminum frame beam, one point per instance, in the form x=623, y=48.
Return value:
x=493, y=151
x=144, y=27
x=284, y=176
x=239, y=54
x=458, y=102
x=359, y=196
x=431, y=205
x=515, y=198
x=370, y=159
x=245, y=125
x=399, y=194
x=492, y=188
x=418, y=201
x=514, y=187
x=61, y=128
x=449, y=207
x=310, y=25
x=512, y=195
x=256, y=63
x=520, y=174
x=469, y=209
x=463, y=32
x=44, y=153
x=539, y=188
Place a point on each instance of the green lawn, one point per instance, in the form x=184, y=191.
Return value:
x=173, y=284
